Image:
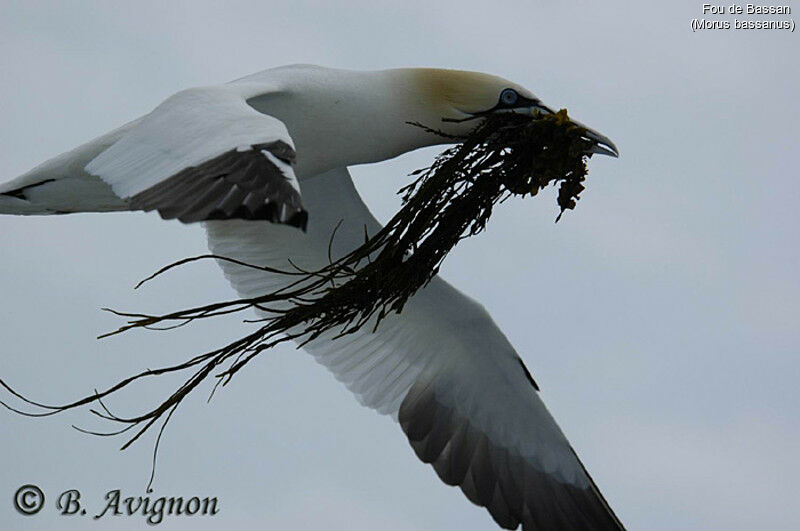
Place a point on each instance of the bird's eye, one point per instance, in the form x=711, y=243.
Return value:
x=509, y=97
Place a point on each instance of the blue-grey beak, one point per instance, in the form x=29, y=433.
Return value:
x=601, y=144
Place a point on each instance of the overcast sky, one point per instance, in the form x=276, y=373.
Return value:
x=660, y=318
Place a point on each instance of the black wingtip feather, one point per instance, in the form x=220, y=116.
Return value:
x=511, y=488
x=235, y=185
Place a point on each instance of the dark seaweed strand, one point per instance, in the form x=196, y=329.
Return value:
x=508, y=154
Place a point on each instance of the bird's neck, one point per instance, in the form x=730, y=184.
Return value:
x=341, y=118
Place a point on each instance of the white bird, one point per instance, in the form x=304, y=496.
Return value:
x=275, y=147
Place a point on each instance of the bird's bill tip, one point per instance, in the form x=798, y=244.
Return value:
x=601, y=144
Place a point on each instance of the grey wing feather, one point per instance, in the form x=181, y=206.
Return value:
x=496, y=477
x=237, y=184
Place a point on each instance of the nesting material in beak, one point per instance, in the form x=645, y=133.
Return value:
x=522, y=154
x=507, y=154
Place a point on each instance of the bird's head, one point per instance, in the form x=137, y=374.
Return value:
x=344, y=117
x=453, y=101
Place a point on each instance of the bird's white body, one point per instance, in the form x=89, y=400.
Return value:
x=335, y=118
x=442, y=366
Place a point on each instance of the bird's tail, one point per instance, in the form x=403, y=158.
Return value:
x=10, y=204
x=61, y=185
x=59, y=196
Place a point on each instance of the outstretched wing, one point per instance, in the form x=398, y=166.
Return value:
x=205, y=154
x=462, y=396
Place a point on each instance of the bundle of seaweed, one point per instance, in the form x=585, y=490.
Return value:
x=507, y=154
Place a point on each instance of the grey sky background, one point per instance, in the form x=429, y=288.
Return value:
x=660, y=318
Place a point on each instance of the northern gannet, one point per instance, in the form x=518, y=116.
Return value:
x=259, y=157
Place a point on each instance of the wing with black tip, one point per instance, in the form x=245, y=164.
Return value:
x=205, y=154
x=442, y=368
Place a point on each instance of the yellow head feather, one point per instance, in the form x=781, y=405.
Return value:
x=468, y=92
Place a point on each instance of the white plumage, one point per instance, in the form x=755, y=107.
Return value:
x=254, y=149
x=441, y=335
